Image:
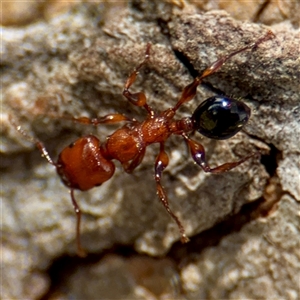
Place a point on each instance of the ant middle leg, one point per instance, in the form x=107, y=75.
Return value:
x=161, y=163
x=198, y=155
x=139, y=98
x=190, y=90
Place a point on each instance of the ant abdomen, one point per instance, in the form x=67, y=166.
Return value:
x=220, y=117
x=82, y=165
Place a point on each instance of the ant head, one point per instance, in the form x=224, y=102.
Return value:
x=220, y=117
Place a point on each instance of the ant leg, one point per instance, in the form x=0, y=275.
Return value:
x=45, y=154
x=129, y=167
x=190, y=90
x=138, y=99
x=77, y=210
x=198, y=155
x=108, y=119
x=161, y=163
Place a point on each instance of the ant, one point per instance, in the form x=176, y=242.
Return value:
x=87, y=163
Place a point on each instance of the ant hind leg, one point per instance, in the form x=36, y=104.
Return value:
x=198, y=155
x=190, y=90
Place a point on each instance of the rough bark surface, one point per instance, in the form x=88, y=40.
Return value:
x=77, y=64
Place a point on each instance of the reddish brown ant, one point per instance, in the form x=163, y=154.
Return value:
x=87, y=162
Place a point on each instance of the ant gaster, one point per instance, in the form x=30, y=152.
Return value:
x=87, y=162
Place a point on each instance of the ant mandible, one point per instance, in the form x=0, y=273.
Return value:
x=87, y=162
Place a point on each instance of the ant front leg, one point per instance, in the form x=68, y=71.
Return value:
x=138, y=99
x=108, y=119
x=161, y=163
x=45, y=154
x=80, y=251
x=129, y=167
x=198, y=155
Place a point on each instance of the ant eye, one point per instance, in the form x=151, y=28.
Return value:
x=220, y=117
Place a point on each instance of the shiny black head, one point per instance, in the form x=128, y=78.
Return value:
x=220, y=117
